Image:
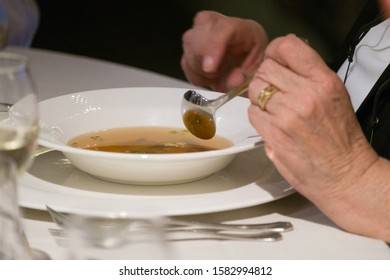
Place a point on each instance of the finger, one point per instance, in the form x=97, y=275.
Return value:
x=213, y=28
x=256, y=88
x=206, y=58
x=189, y=72
x=191, y=55
x=194, y=50
x=295, y=54
x=280, y=76
x=275, y=139
x=234, y=78
x=269, y=126
x=196, y=77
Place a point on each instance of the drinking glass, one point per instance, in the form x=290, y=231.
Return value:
x=13, y=242
x=18, y=110
x=18, y=138
x=117, y=238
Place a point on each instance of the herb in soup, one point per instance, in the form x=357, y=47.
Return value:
x=147, y=140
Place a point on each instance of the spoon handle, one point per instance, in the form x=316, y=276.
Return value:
x=239, y=90
x=244, y=228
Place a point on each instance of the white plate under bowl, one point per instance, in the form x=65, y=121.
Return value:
x=68, y=116
x=250, y=179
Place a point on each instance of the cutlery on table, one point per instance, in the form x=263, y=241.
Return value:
x=109, y=231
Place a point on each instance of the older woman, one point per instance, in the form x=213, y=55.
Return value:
x=335, y=157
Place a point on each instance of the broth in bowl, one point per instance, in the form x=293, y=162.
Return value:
x=147, y=140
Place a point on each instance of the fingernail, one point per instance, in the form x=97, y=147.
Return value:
x=208, y=64
x=305, y=40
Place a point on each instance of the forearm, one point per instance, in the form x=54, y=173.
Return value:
x=363, y=205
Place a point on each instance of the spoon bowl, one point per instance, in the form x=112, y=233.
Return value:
x=198, y=112
x=198, y=115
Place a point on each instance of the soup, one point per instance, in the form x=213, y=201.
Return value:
x=147, y=140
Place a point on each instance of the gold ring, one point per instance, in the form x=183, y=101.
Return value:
x=265, y=95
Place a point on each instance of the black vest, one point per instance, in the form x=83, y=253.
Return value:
x=374, y=113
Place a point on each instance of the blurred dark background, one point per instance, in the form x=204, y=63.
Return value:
x=147, y=34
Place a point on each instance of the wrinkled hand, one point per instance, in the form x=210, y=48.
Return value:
x=309, y=126
x=219, y=50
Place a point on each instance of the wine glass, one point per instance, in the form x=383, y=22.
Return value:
x=115, y=238
x=18, y=110
x=18, y=140
x=13, y=242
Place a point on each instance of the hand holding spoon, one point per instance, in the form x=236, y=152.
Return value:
x=198, y=112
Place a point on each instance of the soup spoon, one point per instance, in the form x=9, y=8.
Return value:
x=198, y=112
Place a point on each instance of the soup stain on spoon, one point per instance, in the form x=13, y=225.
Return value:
x=200, y=123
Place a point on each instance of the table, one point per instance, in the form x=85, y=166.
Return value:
x=314, y=235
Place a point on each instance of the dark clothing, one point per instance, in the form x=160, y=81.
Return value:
x=374, y=113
